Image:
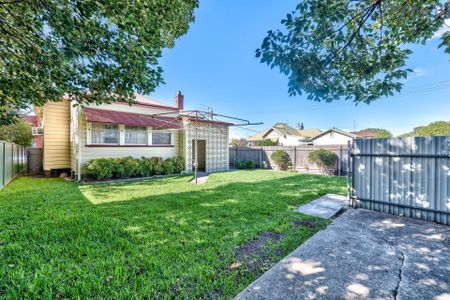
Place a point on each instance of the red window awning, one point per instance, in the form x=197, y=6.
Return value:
x=131, y=119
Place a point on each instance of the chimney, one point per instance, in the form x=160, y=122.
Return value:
x=300, y=126
x=179, y=100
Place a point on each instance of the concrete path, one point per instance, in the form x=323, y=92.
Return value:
x=202, y=177
x=363, y=255
x=325, y=207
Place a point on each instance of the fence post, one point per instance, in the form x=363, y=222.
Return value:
x=349, y=155
x=295, y=158
x=4, y=164
x=260, y=158
x=340, y=160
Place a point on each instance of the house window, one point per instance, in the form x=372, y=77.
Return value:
x=135, y=135
x=161, y=138
x=105, y=133
x=37, y=130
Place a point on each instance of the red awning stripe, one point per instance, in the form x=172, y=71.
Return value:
x=131, y=119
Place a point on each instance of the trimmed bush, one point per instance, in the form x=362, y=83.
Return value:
x=106, y=168
x=282, y=159
x=244, y=164
x=101, y=168
x=324, y=159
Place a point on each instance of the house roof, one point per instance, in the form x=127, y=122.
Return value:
x=284, y=129
x=33, y=120
x=131, y=119
x=343, y=132
x=365, y=133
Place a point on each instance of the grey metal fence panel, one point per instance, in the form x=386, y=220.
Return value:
x=12, y=161
x=407, y=177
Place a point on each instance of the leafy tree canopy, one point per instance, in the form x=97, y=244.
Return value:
x=108, y=49
x=381, y=133
x=238, y=142
x=267, y=142
x=18, y=133
x=351, y=49
x=439, y=128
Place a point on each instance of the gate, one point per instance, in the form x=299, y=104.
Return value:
x=403, y=176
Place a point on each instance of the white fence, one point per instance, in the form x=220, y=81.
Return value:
x=13, y=160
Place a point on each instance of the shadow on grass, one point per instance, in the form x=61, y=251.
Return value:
x=169, y=238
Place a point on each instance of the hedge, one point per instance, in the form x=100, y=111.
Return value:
x=244, y=164
x=125, y=167
x=325, y=160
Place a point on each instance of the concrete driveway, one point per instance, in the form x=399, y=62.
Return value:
x=363, y=255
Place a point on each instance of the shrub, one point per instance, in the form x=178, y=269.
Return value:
x=267, y=142
x=168, y=166
x=180, y=164
x=105, y=168
x=282, y=159
x=244, y=164
x=157, y=165
x=101, y=168
x=145, y=167
x=324, y=159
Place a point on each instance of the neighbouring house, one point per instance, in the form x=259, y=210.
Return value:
x=333, y=136
x=36, y=130
x=74, y=135
x=365, y=134
x=285, y=135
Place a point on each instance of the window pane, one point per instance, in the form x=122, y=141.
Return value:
x=135, y=135
x=105, y=134
x=161, y=138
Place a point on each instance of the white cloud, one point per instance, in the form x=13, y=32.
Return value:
x=443, y=29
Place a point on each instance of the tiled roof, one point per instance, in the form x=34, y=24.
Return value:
x=33, y=120
x=343, y=132
x=365, y=133
x=131, y=119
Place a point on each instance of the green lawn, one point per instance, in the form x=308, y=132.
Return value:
x=160, y=238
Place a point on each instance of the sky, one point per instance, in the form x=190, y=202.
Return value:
x=214, y=65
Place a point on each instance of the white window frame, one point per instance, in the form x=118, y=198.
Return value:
x=144, y=130
x=37, y=130
x=162, y=131
x=92, y=126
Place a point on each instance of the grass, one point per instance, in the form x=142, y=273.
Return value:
x=161, y=238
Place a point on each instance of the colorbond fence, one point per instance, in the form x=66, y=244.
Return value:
x=13, y=160
x=407, y=177
x=298, y=155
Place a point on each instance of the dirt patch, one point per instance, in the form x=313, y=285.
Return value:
x=306, y=223
x=255, y=253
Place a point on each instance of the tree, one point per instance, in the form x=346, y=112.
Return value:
x=238, y=142
x=351, y=49
x=18, y=133
x=380, y=132
x=439, y=128
x=267, y=142
x=93, y=51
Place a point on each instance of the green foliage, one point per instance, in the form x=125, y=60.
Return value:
x=238, y=142
x=101, y=168
x=282, y=159
x=110, y=48
x=381, y=133
x=244, y=164
x=324, y=159
x=18, y=133
x=439, y=128
x=125, y=167
x=353, y=50
x=267, y=142
x=115, y=240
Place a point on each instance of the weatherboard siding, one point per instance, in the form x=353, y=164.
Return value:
x=56, y=135
x=332, y=138
x=89, y=152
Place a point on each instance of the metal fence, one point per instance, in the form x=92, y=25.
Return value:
x=407, y=177
x=298, y=154
x=13, y=160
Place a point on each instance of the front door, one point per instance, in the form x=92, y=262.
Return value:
x=201, y=154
